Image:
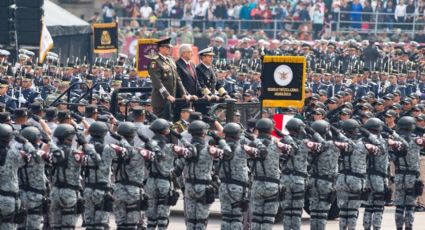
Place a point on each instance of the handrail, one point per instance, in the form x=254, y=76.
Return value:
x=68, y=93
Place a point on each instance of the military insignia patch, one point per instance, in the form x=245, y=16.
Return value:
x=153, y=65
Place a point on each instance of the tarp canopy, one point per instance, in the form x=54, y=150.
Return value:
x=60, y=22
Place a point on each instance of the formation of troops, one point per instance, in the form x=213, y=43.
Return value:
x=363, y=112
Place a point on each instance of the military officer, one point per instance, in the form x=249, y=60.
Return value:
x=166, y=81
x=4, y=98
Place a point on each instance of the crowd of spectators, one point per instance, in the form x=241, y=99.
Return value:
x=303, y=19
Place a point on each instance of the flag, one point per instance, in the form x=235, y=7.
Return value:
x=46, y=43
x=280, y=122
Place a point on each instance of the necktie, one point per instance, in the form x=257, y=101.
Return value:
x=191, y=70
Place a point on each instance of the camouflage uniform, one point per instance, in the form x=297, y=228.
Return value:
x=32, y=183
x=158, y=185
x=65, y=196
x=98, y=186
x=324, y=167
x=406, y=159
x=10, y=203
x=293, y=182
x=377, y=184
x=265, y=187
x=128, y=193
x=198, y=185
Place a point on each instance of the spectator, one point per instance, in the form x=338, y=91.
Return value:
x=400, y=14
x=257, y=15
x=410, y=13
x=108, y=12
x=390, y=18
x=245, y=14
x=220, y=13
x=356, y=14
x=367, y=15
x=380, y=10
x=318, y=19
x=145, y=12
x=176, y=14
x=304, y=14
x=200, y=13
x=187, y=14
x=345, y=8
x=420, y=13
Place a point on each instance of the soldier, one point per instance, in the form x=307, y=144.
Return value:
x=377, y=182
x=6, y=99
x=166, y=81
x=351, y=182
x=294, y=175
x=65, y=196
x=10, y=160
x=98, y=187
x=159, y=188
x=324, y=167
x=406, y=158
x=265, y=187
x=129, y=175
x=182, y=124
x=233, y=173
x=32, y=182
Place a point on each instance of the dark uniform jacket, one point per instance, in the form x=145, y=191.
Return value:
x=190, y=82
x=207, y=79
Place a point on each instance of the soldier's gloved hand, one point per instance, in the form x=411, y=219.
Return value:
x=81, y=140
x=285, y=148
x=147, y=155
x=394, y=144
x=215, y=152
x=119, y=150
x=180, y=151
x=251, y=151
x=372, y=149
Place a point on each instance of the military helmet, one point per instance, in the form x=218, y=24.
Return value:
x=159, y=125
x=264, y=125
x=321, y=126
x=32, y=134
x=6, y=132
x=98, y=129
x=373, y=124
x=63, y=131
x=350, y=125
x=127, y=129
x=407, y=123
x=295, y=124
x=197, y=127
x=232, y=129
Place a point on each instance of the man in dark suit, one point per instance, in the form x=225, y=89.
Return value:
x=187, y=72
x=165, y=80
x=371, y=56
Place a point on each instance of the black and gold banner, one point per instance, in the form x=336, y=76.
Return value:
x=105, y=37
x=283, y=81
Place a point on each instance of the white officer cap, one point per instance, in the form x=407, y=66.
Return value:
x=122, y=56
x=275, y=41
x=365, y=42
x=206, y=51
x=219, y=39
x=413, y=43
x=26, y=52
x=4, y=52
x=400, y=44
x=51, y=54
x=23, y=56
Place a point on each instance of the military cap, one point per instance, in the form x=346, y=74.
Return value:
x=417, y=108
x=4, y=52
x=206, y=51
x=396, y=106
x=237, y=113
x=26, y=52
x=349, y=91
x=396, y=93
x=63, y=115
x=195, y=116
x=36, y=107
x=413, y=43
x=320, y=111
x=20, y=112
x=138, y=111
x=379, y=102
x=322, y=92
x=315, y=97
x=391, y=113
x=420, y=117
x=5, y=117
x=51, y=113
x=332, y=100
x=306, y=46
x=388, y=96
x=219, y=39
x=90, y=110
x=406, y=101
x=367, y=106
x=345, y=111
x=164, y=42
x=4, y=82
x=189, y=110
x=367, y=114
x=122, y=56
x=251, y=122
x=332, y=44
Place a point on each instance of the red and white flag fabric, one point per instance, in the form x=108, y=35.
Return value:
x=280, y=122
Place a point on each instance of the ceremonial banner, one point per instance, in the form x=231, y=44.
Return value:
x=146, y=50
x=105, y=37
x=46, y=43
x=283, y=81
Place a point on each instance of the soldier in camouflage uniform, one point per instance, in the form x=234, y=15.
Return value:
x=199, y=193
x=406, y=159
x=158, y=186
x=294, y=175
x=97, y=191
x=351, y=181
x=129, y=172
x=376, y=181
x=324, y=167
x=10, y=161
x=32, y=182
x=65, y=196
x=233, y=173
x=265, y=187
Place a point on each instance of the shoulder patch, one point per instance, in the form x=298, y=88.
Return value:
x=153, y=64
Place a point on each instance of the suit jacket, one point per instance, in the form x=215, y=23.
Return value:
x=165, y=81
x=189, y=82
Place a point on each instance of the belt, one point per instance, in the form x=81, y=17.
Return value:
x=127, y=182
x=8, y=193
x=28, y=188
x=233, y=181
x=408, y=172
x=375, y=172
x=100, y=186
x=66, y=185
x=159, y=176
x=323, y=177
x=295, y=173
x=198, y=181
x=266, y=179
x=350, y=173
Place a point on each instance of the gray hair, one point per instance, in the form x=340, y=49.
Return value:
x=184, y=47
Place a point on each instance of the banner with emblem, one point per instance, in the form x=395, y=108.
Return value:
x=146, y=50
x=283, y=81
x=105, y=37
